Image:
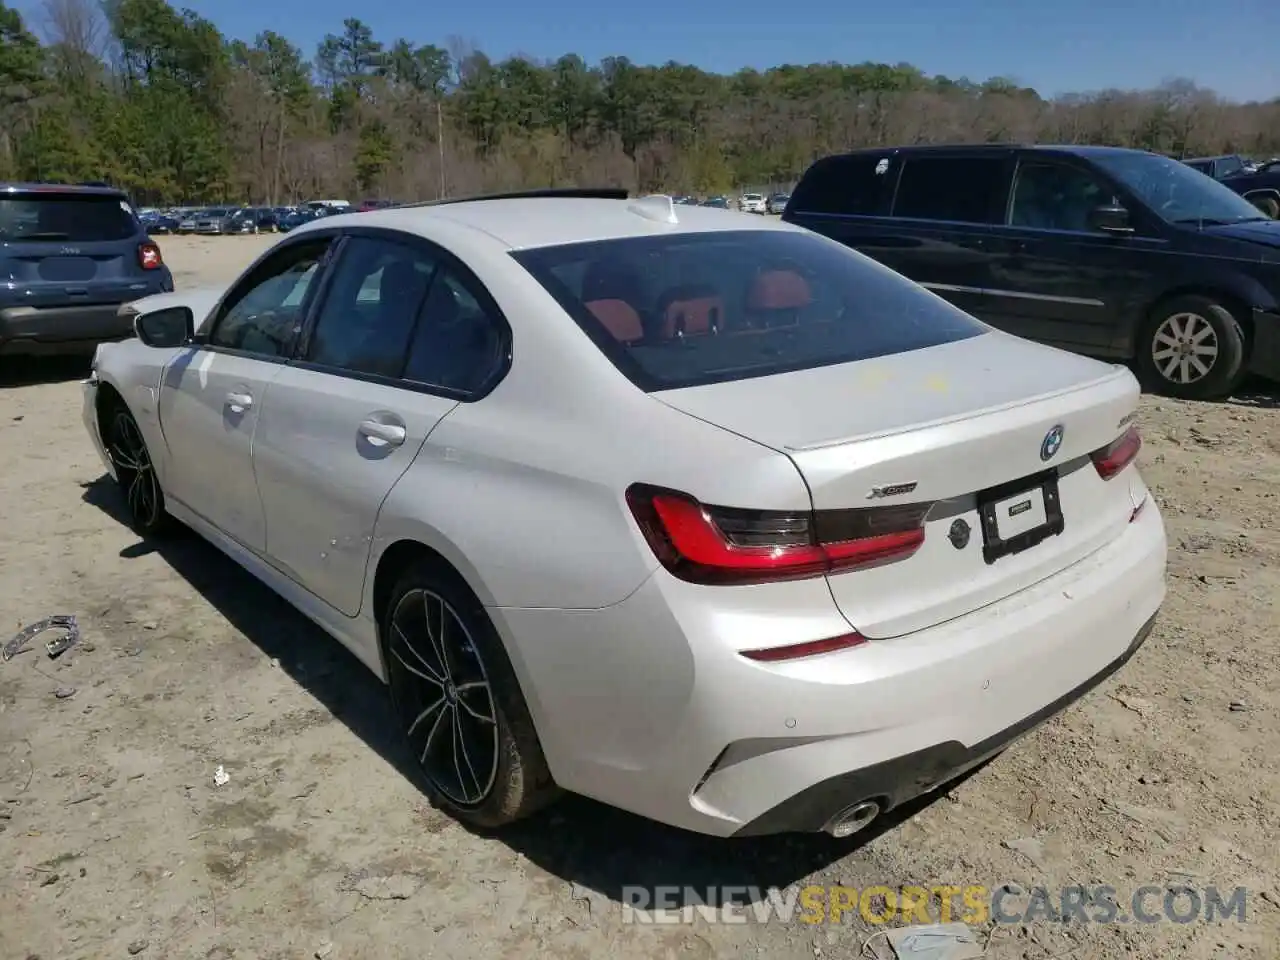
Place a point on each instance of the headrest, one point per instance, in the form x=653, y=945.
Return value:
x=779, y=290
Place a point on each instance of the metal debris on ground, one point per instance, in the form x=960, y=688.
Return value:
x=221, y=777
x=935, y=941
x=68, y=637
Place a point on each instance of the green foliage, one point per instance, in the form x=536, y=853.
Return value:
x=180, y=113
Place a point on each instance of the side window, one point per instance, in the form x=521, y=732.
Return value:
x=261, y=315
x=370, y=310
x=957, y=189
x=850, y=185
x=460, y=344
x=1055, y=196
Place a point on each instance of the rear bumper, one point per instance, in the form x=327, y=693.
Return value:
x=902, y=779
x=1264, y=359
x=646, y=705
x=40, y=331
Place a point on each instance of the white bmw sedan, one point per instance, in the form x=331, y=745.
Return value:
x=699, y=514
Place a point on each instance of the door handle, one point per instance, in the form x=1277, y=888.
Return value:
x=239, y=402
x=391, y=434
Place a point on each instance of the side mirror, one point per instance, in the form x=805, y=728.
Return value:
x=171, y=327
x=1110, y=218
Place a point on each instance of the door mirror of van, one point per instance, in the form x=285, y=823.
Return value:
x=1110, y=218
x=172, y=327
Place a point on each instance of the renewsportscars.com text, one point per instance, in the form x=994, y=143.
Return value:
x=972, y=904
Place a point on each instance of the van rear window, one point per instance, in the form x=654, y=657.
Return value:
x=67, y=218
x=694, y=308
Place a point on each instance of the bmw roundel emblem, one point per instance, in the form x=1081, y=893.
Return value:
x=1052, y=443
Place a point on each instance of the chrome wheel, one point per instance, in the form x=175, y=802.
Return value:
x=134, y=470
x=443, y=692
x=1184, y=348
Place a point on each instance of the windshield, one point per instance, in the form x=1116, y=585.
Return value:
x=79, y=218
x=695, y=308
x=1177, y=192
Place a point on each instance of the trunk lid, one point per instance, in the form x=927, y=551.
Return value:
x=945, y=425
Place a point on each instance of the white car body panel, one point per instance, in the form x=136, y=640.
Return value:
x=634, y=678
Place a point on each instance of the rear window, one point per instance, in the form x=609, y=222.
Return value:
x=67, y=218
x=679, y=311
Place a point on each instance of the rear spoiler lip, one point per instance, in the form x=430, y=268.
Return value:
x=1117, y=372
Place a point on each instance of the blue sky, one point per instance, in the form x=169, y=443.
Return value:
x=1052, y=45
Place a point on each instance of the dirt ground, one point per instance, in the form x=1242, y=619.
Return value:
x=115, y=840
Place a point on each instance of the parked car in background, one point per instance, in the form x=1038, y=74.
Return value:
x=1219, y=167
x=217, y=220
x=367, y=205
x=70, y=257
x=158, y=222
x=778, y=203
x=301, y=216
x=721, y=203
x=1259, y=185
x=253, y=220
x=187, y=221
x=704, y=618
x=752, y=203
x=1106, y=251
x=337, y=206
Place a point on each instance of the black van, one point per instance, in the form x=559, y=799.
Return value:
x=1105, y=251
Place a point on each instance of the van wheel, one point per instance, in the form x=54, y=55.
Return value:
x=459, y=702
x=1193, y=348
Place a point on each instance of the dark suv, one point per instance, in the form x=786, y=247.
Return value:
x=69, y=258
x=1101, y=250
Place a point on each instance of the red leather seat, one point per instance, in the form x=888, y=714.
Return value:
x=614, y=293
x=619, y=318
x=691, y=311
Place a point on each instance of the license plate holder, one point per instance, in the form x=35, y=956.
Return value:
x=1005, y=510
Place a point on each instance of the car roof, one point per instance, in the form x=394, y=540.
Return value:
x=527, y=222
x=1082, y=150
x=62, y=188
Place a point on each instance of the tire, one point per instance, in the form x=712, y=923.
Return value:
x=135, y=473
x=1179, y=324
x=500, y=775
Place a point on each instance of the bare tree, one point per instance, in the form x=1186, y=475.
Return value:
x=77, y=32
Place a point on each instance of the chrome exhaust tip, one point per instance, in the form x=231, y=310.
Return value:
x=852, y=819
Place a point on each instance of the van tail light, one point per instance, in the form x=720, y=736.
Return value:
x=727, y=545
x=149, y=256
x=1118, y=454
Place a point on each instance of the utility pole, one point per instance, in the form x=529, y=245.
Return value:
x=440, y=140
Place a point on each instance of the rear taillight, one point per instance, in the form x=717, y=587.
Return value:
x=149, y=256
x=1118, y=454
x=721, y=545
